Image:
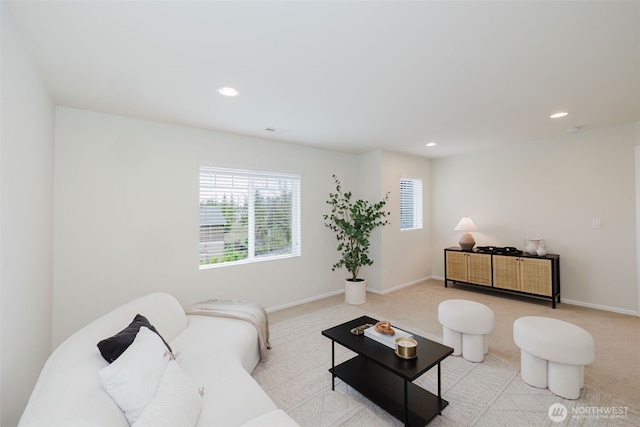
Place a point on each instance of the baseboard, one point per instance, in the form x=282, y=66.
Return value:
x=415, y=282
x=585, y=304
x=396, y=288
x=600, y=307
x=304, y=301
x=341, y=291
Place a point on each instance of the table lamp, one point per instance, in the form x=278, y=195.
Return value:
x=466, y=241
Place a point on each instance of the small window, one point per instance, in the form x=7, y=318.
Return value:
x=248, y=216
x=410, y=203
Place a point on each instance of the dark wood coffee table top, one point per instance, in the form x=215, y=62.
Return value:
x=385, y=378
x=429, y=353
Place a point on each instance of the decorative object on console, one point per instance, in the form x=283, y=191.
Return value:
x=509, y=250
x=531, y=245
x=487, y=249
x=542, y=248
x=466, y=241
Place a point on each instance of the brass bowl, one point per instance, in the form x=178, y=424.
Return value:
x=406, y=348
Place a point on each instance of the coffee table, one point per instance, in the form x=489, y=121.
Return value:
x=385, y=378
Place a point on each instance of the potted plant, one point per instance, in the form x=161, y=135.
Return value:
x=353, y=222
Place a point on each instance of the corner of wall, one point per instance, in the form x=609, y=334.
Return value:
x=26, y=221
x=637, y=192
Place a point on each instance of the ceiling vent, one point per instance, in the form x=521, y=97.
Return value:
x=275, y=129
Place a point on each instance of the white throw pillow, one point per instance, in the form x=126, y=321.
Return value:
x=177, y=404
x=133, y=378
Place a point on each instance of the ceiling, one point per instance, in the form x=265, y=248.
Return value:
x=351, y=76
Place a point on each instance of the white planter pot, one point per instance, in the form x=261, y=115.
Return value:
x=355, y=292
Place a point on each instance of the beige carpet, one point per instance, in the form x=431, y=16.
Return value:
x=485, y=394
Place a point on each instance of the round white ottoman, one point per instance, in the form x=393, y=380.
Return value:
x=553, y=354
x=465, y=325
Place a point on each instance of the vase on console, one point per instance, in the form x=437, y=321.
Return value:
x=531, y=245
x=542, y=248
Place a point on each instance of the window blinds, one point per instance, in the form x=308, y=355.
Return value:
x=248, y=215
x=410, y=203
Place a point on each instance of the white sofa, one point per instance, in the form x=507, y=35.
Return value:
x=215, y=353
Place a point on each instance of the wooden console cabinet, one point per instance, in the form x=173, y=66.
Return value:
x=469, y=267
x=532, y=275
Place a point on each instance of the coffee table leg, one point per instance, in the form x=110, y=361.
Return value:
x=439, y=394
x=333, y=365
x=406, y=405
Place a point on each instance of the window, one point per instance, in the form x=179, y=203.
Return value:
x=410, y=203
x=248, y=216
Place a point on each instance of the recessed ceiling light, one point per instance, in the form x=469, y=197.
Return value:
x=228, y=91
x=558, y=115
x=431, y=144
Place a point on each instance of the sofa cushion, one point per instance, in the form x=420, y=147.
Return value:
x=111, y=348
x=132, y=380
x=218, y=353
x=226, y=339
x=231, y=395
x=177, y=403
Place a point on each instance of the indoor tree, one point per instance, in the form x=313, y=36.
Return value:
x=353, y=222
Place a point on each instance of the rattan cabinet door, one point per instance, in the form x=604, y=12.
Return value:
x=535, y=276
x=506, y=272
x=456, y=266
x=479, y=269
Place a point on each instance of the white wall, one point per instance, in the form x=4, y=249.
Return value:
x=126, y=217
x=368, y=187
x=405, y=255
x=551, y=189
x=378, y=173
x=26, y=223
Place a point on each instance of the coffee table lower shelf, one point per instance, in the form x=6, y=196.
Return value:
x=387, y=390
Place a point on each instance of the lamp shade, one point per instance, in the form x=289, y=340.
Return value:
x=465, y=224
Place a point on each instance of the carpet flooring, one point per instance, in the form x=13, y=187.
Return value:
x=490, y=393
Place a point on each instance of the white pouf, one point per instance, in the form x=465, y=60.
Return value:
x=553, y=354
x=465, y=325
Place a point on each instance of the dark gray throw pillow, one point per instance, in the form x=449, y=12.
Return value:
x=111, y=348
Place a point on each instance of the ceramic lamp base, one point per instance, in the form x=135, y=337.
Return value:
x=467, y=242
